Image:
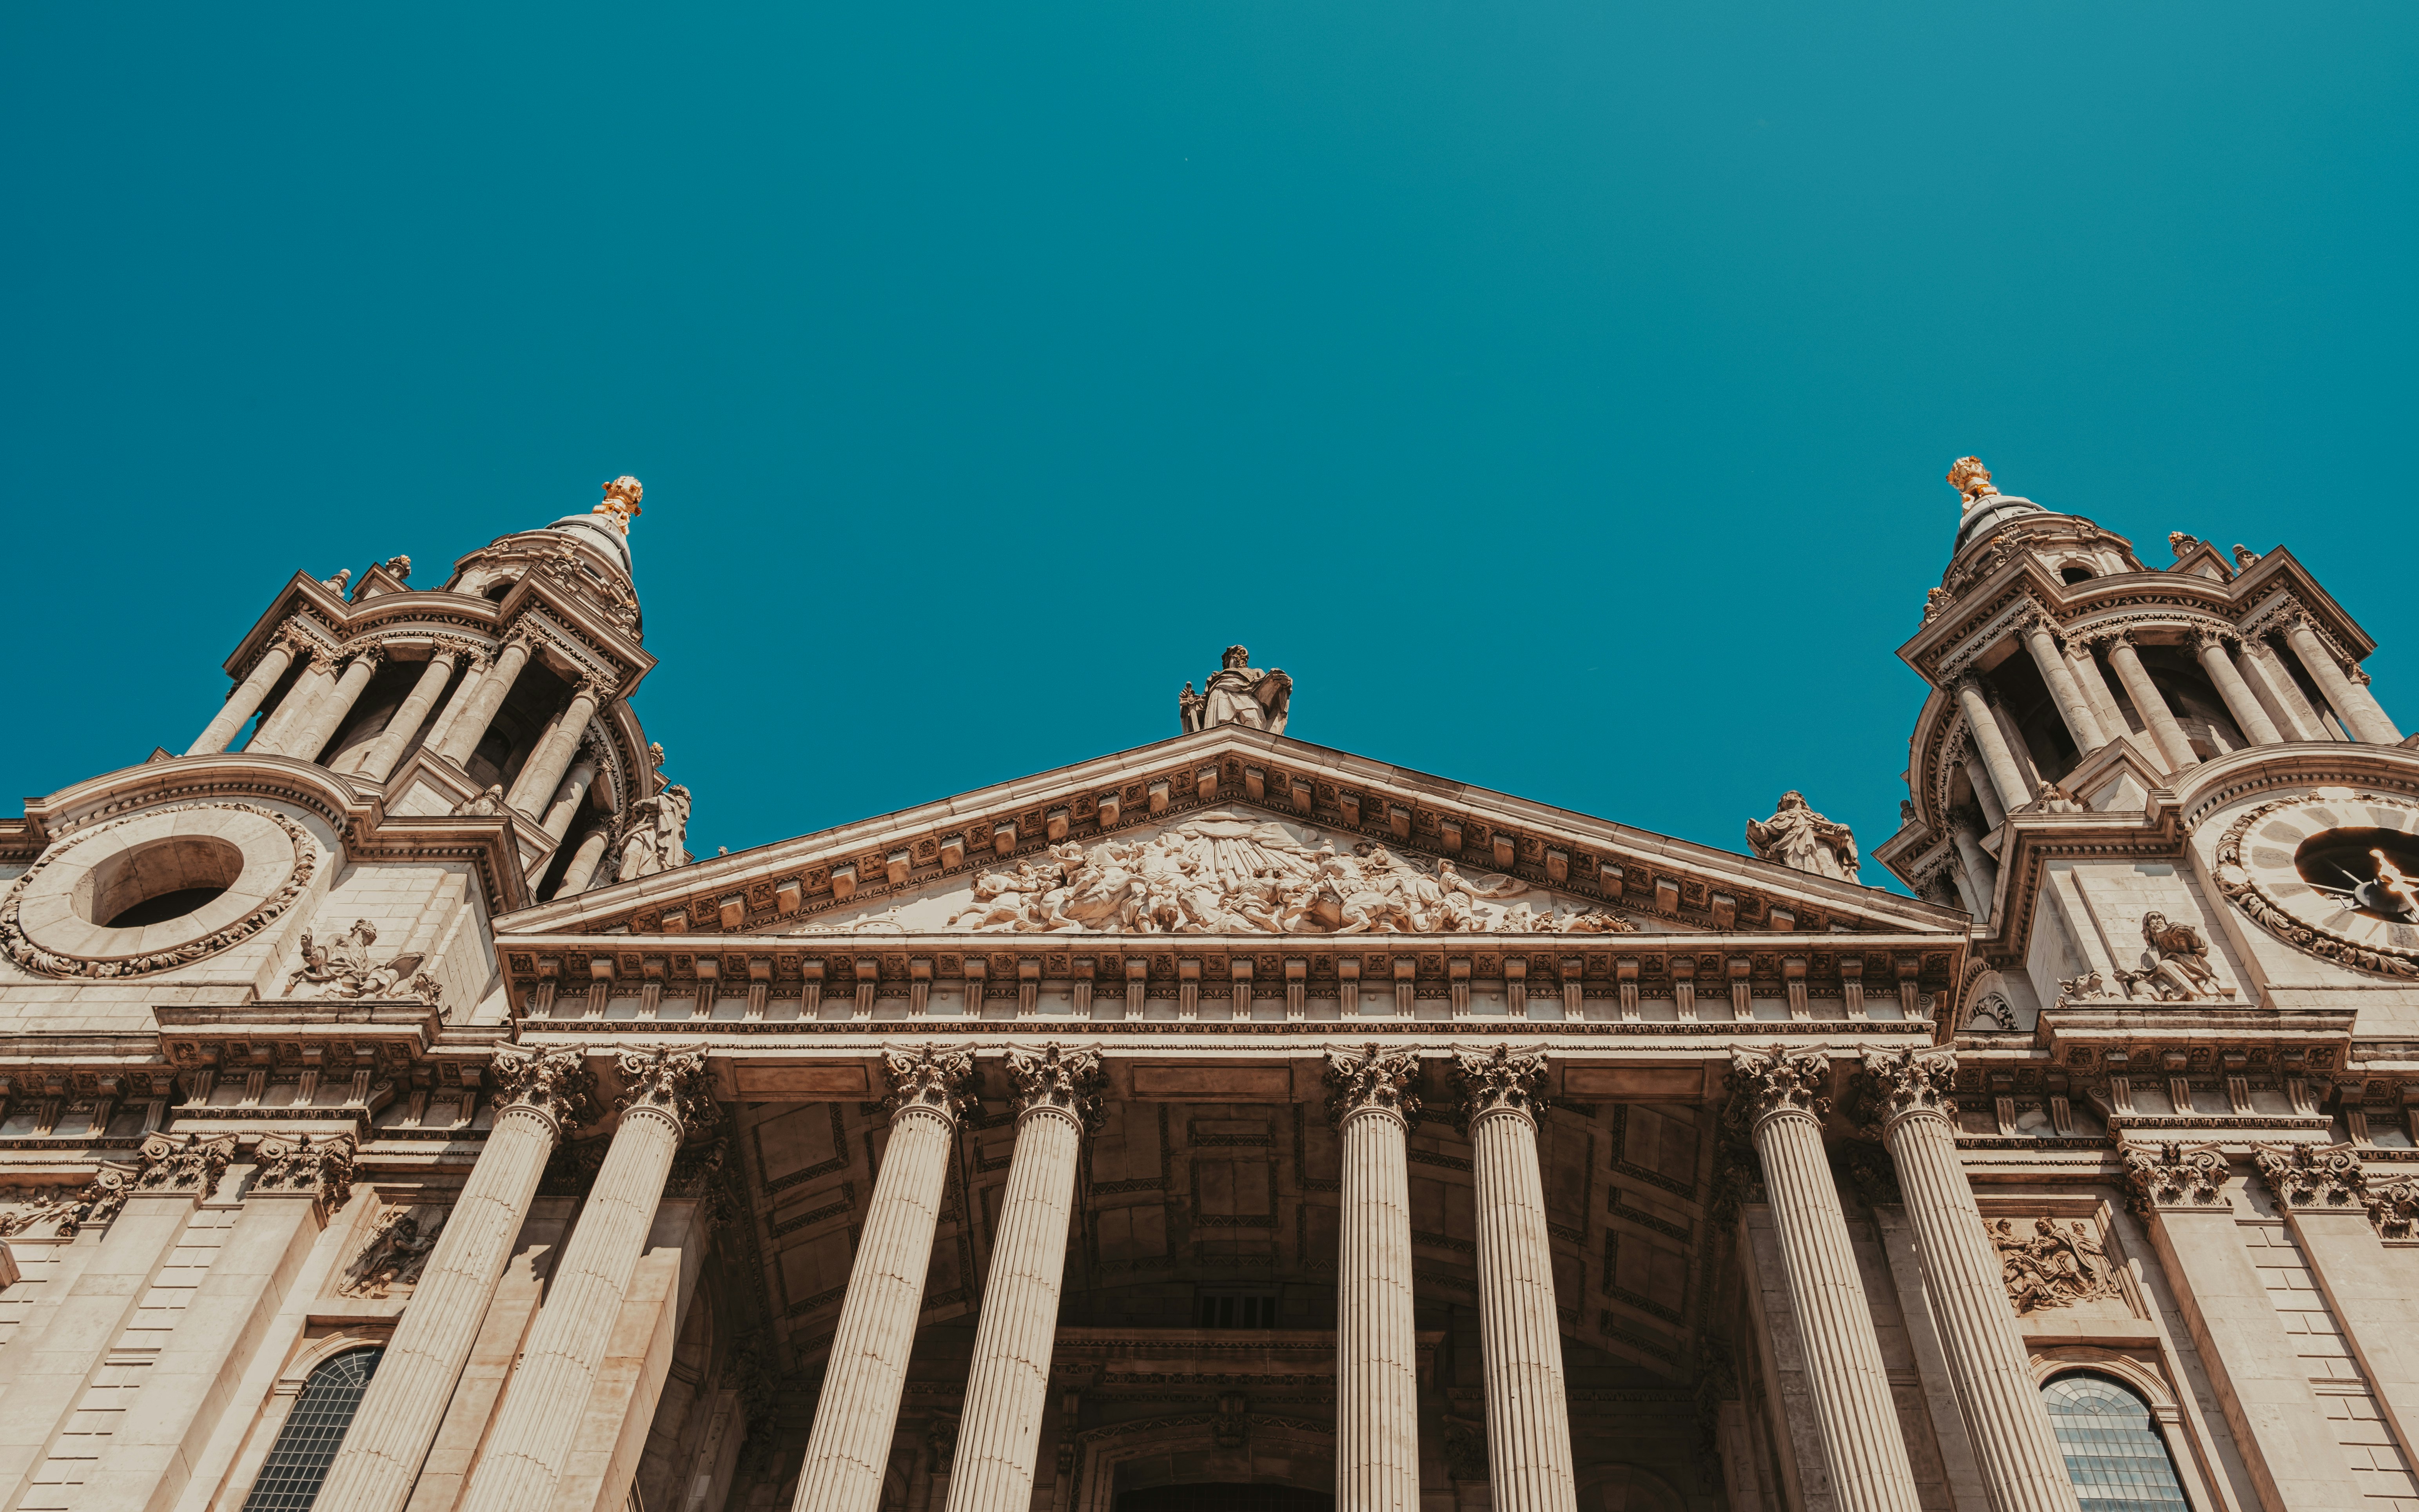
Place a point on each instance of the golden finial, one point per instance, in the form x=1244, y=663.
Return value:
x=621, y=503
x=1968, y=476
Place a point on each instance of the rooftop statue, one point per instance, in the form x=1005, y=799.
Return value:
x=1796, y=835
x=1238, y=693
x=621, y=503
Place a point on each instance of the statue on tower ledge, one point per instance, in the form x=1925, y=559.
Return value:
x=1238, y=693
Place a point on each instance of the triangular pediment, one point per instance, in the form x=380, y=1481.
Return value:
x=1231, y=832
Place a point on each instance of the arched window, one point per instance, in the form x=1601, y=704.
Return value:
x=307, y=1444
x=2113, y=1453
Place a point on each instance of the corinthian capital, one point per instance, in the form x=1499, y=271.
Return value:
x=557, y=1084
x=1372, y=1080
x=183, y=1163
x=1501, y=1079
x=928, y=1076
x=2175, y=1176
x=1898, y=1083
x=1765, y=1083
x=2313, y=1176
x=671, y=1082
x=1054, y=1077
x=320, y=1169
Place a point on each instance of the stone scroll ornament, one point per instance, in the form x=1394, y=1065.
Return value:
x=32, y=957
x=321, y=1168
x=186, y=1163
x=928, y=1076
x=2175, y=1176
x=1059, y=1077
x=1893, y=1084
x=673, y=1080
x=1372, y=1077
x=1500, y=1078
x=556, y=1082
x=1763, y=1083
x=2313, y=1176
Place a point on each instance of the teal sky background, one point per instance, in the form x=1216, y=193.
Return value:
x=1559, y=392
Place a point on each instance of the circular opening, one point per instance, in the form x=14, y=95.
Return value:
x=2374, y=873
x=153, y=884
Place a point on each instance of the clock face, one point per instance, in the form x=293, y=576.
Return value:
x=2335, y=873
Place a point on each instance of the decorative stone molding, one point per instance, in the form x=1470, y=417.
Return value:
x=2054, y=1265
x=2313, y=1176
x=96, y=1203
x=2176, y=1176
x=184, y=1163
x=557, y=1084
x=1765, y=1084
x=1899, y=1084
x=320, y=1169
x=268, y=886
x=928, y=1077
x=1054, y=1077
x=1372, y=1080
x=1502, y=1080
x=395, y=1253
x=671, y=1082
x=2394, y=1207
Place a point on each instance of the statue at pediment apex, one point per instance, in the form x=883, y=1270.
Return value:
x=1239, y=693
x=1804, y=840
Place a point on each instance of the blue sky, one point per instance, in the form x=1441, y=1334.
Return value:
x=1559, y=392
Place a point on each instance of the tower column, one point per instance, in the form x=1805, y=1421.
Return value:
x=482, y=701
x=380, y=1458
x=2024, y=1470
x=271, y=739
x=2287, y=704
x=1057, y=1098
x=1780, y=1093
x=244, y=701
x=2354, y=711
x=2080, y=721
x=379, y=761
x=2149, y=703
x=1983, y=725
x=2086, y=669
x=1529, y=1465
x=849, y=1447
x=555, y=750
x=1376, y=1364
x=2249, y=716
x=582, y=869
x=2384, y=722
x=313, y=730
x=1976, y=873
x=1985, y=797
x=665, y=1097
x=565, y=807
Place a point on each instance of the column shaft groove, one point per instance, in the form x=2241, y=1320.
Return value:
x=1377, y=1368
x=1529, y=1466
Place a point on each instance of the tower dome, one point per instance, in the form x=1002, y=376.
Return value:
x=589, y=553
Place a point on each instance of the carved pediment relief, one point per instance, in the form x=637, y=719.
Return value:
x=1229, y=871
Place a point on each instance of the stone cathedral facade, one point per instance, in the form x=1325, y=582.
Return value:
x=394, y=1117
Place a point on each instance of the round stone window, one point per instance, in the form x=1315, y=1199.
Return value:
x=155, y=890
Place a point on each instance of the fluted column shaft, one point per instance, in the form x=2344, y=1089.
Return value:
x=380, y=1456
x=1009, y=1387
x=2241, y=701
x=1983, y=726
x=2080, y=721
x=276, y=731
x=555, y=750
x=244, y=703
x=2387, y=732
x=2086, y=670
x=2023, y=1467
x=2150, y=704
x=1529, y=1465
x=849, y=1444
x=1853, y=1413
x=2351, y=710
x=313, y=731
x=582, y=869
x=387, y=750
x=532, y=1436
x=1377, y=1366
x=462, y=736
x=565, y=807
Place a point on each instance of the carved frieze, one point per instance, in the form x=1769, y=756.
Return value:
x=340, y=966
x=69, y=1210
x=2051, y=1264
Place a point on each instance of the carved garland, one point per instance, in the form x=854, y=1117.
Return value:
x=32, y=957
x=2262, y=907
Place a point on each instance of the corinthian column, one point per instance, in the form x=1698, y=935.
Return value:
x=1528, y=1418
x=2361, y=716
x=1057, y=1099
x=313, y=731
x=1905, y=1094
x=849, y=1444
x=480, y=702
x=555, y=748
x=2058, y=673
x=374, y=1470
x=1370, y=1101
x=1780, y=1095
x=2241, y=701
x=2149, y=703
x=1992, y=742
x=244, y=701
x=665, y=1097
x=379, y=760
